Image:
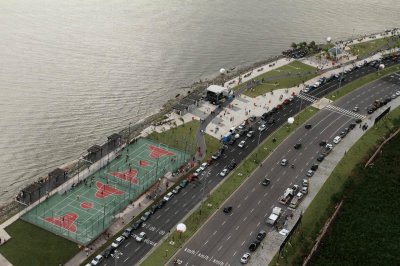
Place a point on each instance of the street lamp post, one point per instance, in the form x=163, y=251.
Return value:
x=129, y=133
x=117, y=253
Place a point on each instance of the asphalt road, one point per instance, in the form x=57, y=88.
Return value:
x=259, y=198
x=225, y=238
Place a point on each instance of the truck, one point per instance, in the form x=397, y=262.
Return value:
x=287, y=195
x=327, y=149
x=274, y=216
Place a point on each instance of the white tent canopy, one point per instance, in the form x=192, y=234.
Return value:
x=217, y=89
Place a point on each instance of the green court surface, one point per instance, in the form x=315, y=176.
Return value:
x=88, y=208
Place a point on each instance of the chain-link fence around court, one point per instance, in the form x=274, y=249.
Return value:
x=84, y=211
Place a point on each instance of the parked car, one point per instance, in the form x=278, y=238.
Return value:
x=245, y=258
x=305, y=183
x=137, y=224
x=297, y=146
x=314, y=167
x=304, y=190
x=337, y=139
x=322, y=143
x=128, y=232
x=261, y=235
x=96, y=260
x=271, y=121
x=308, y=126
x=254, y=245
x=176, y=190
x=310, y=173
x=183, y=183
x=147, y=215
x=108, y=252
x=168, y=196
x=320, y=158
x=117, y=242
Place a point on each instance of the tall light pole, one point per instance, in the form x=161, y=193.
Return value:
x=129, y=133
x=117, y=253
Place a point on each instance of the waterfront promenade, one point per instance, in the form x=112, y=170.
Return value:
x=238, y=110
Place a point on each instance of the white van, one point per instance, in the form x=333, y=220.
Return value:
x=293, y=204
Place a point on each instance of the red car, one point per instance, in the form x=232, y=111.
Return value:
x=279, y=106
x=286, y=101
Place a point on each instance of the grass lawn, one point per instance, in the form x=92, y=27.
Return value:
x=31, y=245
x=212, y=144
x=214, y=201
x=365, y=48
x=286, y=76
x=361, y=81
x=332, y=191
x=367, y=229
x=182, y=137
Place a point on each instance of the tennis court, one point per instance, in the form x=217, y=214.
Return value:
x=88, y=208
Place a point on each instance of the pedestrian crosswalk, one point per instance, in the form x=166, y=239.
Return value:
x=307, y=97
x=345, y=112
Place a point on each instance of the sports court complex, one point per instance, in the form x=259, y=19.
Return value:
x=90, y=206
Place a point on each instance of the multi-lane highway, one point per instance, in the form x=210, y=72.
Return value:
x=252, y=201
x=225, y=238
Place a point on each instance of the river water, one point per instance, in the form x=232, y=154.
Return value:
x=73, y=72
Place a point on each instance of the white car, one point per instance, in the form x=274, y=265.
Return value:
x=305, y=182
x=398, y=93
x=241, y=144
x=337, y=139
x=299, y=195
x=117, y=242
x=262, y=127
x=242, y=125
x=203, y=166
x=140, y=237
x=310, y=173
x=304, y=190
x=224, y=172
x=197, y=172
x=250, y=134
x=176, y=189
x=96, y=260
x=245, y=258
x=284, y=162
x=168, y=196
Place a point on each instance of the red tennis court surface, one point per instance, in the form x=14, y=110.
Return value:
x=104, y=190
x=66, y=221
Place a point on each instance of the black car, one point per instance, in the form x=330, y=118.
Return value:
x=297, y=146
x=352, y=126
x=266, y=182
x=153, y=209
x=232, y=141
x=320, y=158
x=128, y=232
x=358, y=121
x=137, y=225
x=308, y=126
x=261, y=235
x=232, y=165
x=108, y=252
x=322, y=143
x=228, y=209
x=271, y=121
x=343, y=134
x=161, y=204
x=273, y=110
x=254, y=245
x=252, y=118
x=264, y=116
x=314, y=167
